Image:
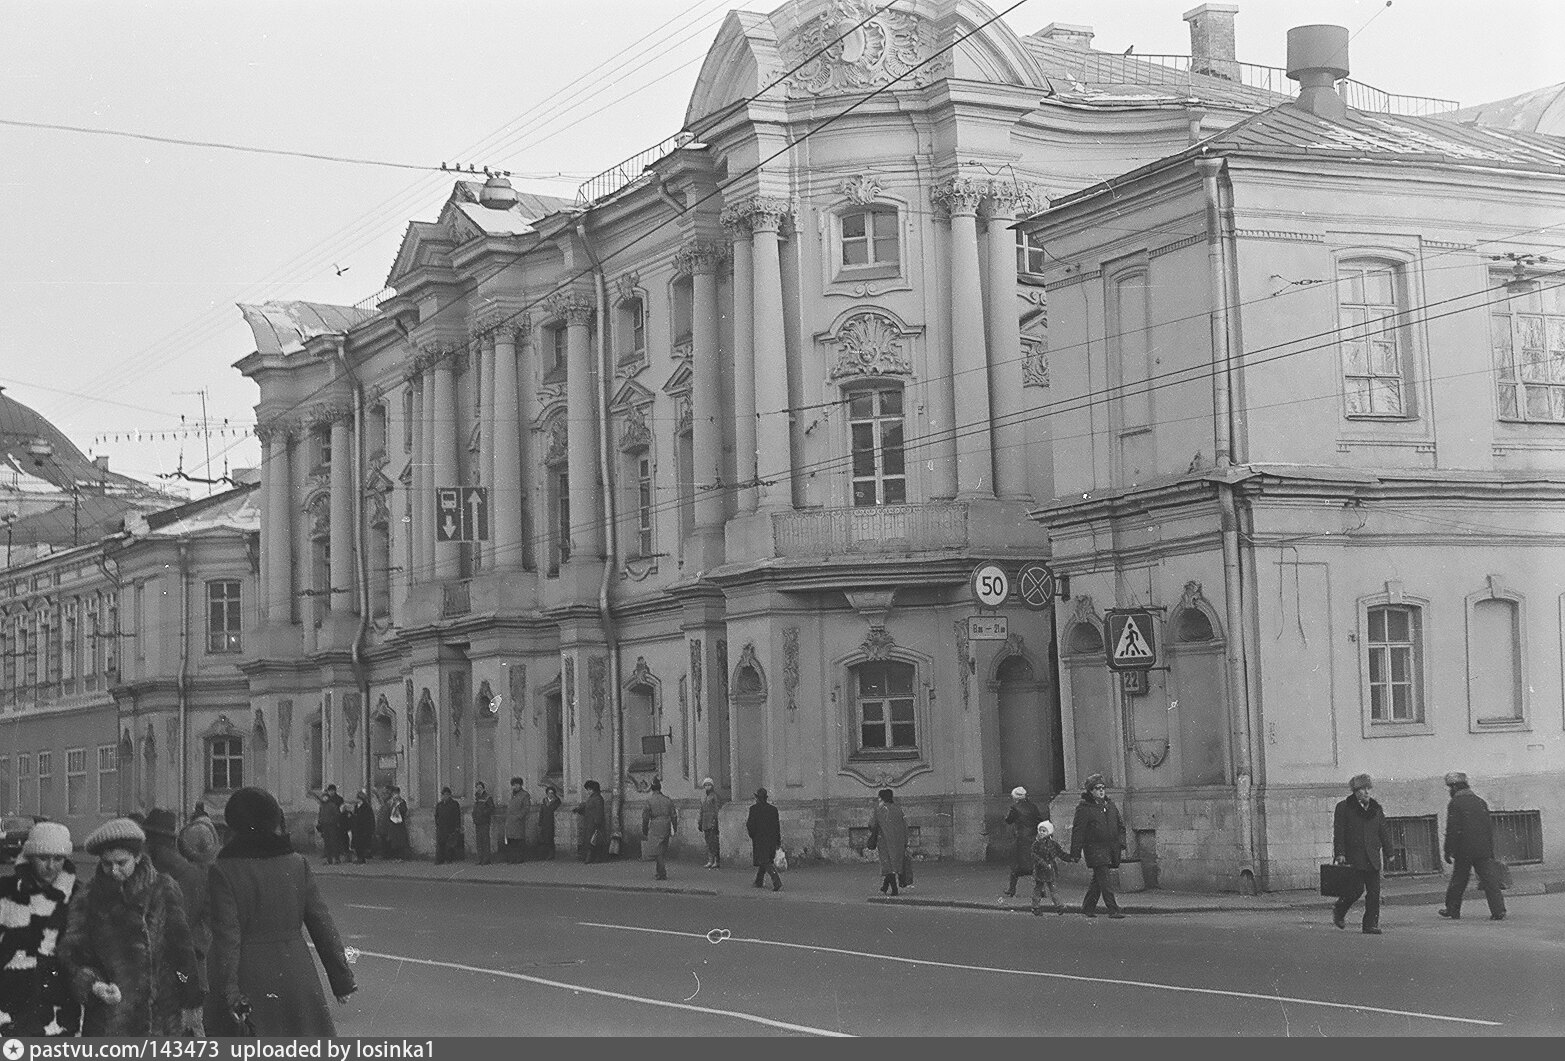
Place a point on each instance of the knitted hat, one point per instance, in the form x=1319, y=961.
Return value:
x=1456, y=777
x=1045, y=828
x=160, y=822
x=48, y=838
x=708, y=781
x=1093, y=781
x=121, y=832
x=199, y=842
x=253, y=810
x=1360, y=781
x=1018, y=792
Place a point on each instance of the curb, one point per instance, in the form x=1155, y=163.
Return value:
x=573, y=885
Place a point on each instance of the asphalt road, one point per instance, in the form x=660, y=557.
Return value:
x=464, y=959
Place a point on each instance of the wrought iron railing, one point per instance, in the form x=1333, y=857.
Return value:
x=371, y=304
x=895, y=529
x=629, y=171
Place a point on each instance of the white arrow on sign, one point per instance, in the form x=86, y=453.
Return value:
x=451, y=528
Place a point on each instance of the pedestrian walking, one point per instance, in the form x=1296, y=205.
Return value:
x=1469, y=845
x=516, y=809
x=397, y=826
x=547, y=807
x=1046, y=854
x=1098, y=835
x=592, y=838
x=263, y=899
x=765, y=830
x=1361, y=838
x=127, y=943
x=1023, y=818
x=383, y=824
x=327, y=822
x=365, y=827
x=707, y=823
x=199, y=844
x=163, y=849
x=35, y=990
x=659, y=822
x=888, y=839
x=448, y=828
x=483, y=814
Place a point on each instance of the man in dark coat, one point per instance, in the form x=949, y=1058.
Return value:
x=765, y=829
x=383, y=824
x=592, y=842
x=397, y=826
x=1361, y=838
x=327, y=822
x=483, y=814
x=515, y=825
x=1469, y=845
x=1098, y=834
x=448, y=828
x=163, y=848
x=365, y=827
x=1023, y=818
x=547, y=806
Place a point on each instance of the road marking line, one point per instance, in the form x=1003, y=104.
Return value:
x=1058, y=976
x=362, y=906
x=752, y=1018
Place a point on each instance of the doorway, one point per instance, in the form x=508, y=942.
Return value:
x=1026, y=737
x=749, y=720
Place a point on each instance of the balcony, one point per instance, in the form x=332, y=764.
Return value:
x=886, y=530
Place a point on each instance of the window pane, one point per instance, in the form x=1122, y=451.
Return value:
x=1377, y=287
x=1386, y=396
x=1377, y=624
x=1358, y=396
x=1377, y=665
x=891, y=449
x=855, y=253
x=902, y=710
x=886, y=225
x=1377, y=703
x=1397, y=628
x=1352, y=288
x=864, y=495
x=872, y=736
x=1355, y=357
x=872, y=680
x=903, y=735
x=1401, y=665
x=896, y=491
x=1401, y=702
x=899, y=679
x=861, y=405
x=890, y=402
x=853, y=225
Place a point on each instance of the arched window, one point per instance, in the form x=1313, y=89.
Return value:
x=1191, y=625
x=1084, y=637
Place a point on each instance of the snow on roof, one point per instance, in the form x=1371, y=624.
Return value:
x=284, y=327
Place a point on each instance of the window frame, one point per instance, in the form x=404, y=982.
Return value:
x=1510, y=311
x=875, y=265
x=1422, y=722
x=858, y=702
x=227, y=641
x=25, y=776
x=645, y=503
x=1401, y=335
x=74, y=798
x=877, y=421
x=1028, y=246
x=232, y=760
x=43, y=770
x=109, y=805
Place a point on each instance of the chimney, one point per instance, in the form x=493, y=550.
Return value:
x=1212, y=40
x=101, y=463
x=1317, y=60
x=1064, y=33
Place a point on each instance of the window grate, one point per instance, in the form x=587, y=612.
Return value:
x=1415, y=846
x=1518, y=836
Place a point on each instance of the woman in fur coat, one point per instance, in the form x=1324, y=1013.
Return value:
x=35, y=996
x=263, y=896
x=127, y=943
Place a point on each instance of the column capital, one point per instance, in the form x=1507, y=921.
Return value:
x=277, y=429
x=959, y=195
x=1009, y=198
x=328, y=412
x=491, y=320
x=572, y=305
x=699, y=256
x=757, y=214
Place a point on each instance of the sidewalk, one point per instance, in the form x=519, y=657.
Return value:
x=956, y=885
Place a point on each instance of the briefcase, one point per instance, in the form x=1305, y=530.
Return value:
x=1339, y=882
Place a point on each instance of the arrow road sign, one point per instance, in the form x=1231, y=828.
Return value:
x=475, y=513
x=1131, y=640
x=448, y=514
x=462, y=514
x=1035, y=585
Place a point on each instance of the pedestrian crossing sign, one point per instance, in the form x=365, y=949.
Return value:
x=1131, y=639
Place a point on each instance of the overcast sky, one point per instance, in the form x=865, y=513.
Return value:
x=121, y=259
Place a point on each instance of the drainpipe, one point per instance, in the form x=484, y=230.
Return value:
x=184, y=672
x=1237, y=681
x=360, y=664
x=611, y=533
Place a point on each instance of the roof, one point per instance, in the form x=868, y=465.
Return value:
x=284, y=327
x=79, y=520
x=1540, y=111
x=529, y=207
x=235, y=509
x=1085, y=76
x=65, y=467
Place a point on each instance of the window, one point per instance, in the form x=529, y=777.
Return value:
x=633, y=328
x=1029, y=252
x=559, y=351
x=26, y=785
x=1395, y=646
x=643, y=505
x=1415, y=846
x=223, y=616
x=884, y=696
x=45, y=782
x=226, y=764
x=8, y=663
x=562, y=516
x=1496, y=689
x=323, y=447
x=407, y=420
x=875, y=421
x=108, y=779
x=1374, y=358
x=69, y=648
x=1529, y=356
x=5, y=785
x=869, y=238
x=75, y=780
x=1518, y=836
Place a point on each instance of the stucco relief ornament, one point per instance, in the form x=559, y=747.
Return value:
x=959, y=195
x=597, y=685
x=635, y=434
x=570, y=689
x=850, y=47
x=573, y=307
x=626, y=285
x=862, y=189
x=964, y=660
x=285, y=721
x=558, y=443
x=1035, y=363
x=870, y=344
x=695, y=674
x=791, y=665
x=878, y=644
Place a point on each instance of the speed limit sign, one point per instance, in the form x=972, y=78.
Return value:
x=991, y=585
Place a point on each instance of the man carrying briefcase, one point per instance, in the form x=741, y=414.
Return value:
x=1361, y=839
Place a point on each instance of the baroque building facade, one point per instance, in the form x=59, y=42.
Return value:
x=747, y=418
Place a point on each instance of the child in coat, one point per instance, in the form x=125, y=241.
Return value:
x=1046, y=852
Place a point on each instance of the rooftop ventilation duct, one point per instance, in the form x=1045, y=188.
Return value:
x=1317, y=60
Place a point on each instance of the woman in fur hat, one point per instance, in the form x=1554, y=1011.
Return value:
x=263, y=895
x=127, y=943
x=1023, y=818
x=35, y=995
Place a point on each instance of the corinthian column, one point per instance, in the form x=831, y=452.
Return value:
x=969, y=369
x=486, y=434
x=340, y=513
x=699, y=260
x=424, y=471
x=1005, y=340
x=582, y=427
x=505, y=489
x=738, y=222
x=774, y=448
x=276, y=527
x=442, y=426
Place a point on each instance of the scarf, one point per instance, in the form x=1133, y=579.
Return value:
x=256, y=845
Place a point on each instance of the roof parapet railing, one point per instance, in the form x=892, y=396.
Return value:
x=371, y=305
x=629, y=171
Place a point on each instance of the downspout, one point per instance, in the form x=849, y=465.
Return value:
x=360, y=664
x=184, y=673
x=611, y=534
x=1237, y=683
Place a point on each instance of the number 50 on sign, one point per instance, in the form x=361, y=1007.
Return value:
x=991, y=585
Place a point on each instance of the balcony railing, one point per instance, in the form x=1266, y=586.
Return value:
x=628, y=172
x=455, y=600
x=882, y=530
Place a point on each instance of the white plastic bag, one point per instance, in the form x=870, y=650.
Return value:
x=780, y=861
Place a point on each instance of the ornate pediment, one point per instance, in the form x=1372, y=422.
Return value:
x=870, y=343
x=679, y=382
x=852, y=47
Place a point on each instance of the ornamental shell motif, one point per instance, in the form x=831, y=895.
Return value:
x=837, y=55
x=870, y=344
